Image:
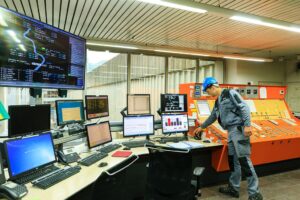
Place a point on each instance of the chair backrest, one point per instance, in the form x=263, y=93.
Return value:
x=169, y=174
x=111, y=184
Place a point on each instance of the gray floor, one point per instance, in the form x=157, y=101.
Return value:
x=283, y=186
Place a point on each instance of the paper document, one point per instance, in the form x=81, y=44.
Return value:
x=186, y=145
x=251, y=105
x=203, y=108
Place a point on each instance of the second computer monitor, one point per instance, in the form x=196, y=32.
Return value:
x=27, y=119
x=138, y=125
x=96, y=106
x=98, y=134
x=173, y=103
x=138, y=104
x=69, y=111
x=174, y=123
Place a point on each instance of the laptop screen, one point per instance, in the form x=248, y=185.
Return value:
x=25, y=154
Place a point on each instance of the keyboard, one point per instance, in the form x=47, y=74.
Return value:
x=51, y=179
x=87, y=161
x=110, y=148
x=26, y=178
x=138, y=143
x=172, y=139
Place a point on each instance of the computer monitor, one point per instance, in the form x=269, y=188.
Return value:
x=138, y=125
x=26, y=119
x=37, y=55
x=173, y=103
x=174, y=123
x=28, y=154
x=96, y=106
x=69, y=111
x=98, y=134
x=138, y=104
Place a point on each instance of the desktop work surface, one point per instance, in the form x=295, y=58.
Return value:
x=86, y=177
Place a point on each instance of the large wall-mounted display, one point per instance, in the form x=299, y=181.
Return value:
x=35, y=54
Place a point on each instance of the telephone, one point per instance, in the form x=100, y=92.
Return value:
x=67, y=156
x=12, y=190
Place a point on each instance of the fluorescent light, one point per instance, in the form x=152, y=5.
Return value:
x=247, y=59
x=2, y=21
x=184, y=53
x=111, y=45
x=175, y=5
x=22, y=47
x=14, y=36
x=262, y=23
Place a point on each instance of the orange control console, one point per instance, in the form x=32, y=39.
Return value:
x=276, y=132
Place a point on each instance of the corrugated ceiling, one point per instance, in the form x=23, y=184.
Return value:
x=130, y=21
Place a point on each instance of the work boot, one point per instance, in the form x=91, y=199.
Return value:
x=256, y=196
x=229, y=190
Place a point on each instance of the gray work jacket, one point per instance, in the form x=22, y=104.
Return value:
x=230, y=109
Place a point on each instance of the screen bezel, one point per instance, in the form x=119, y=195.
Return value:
x=148, y=113
x=10, y=134
x=174, y=132
x=162, y=103
x=33, y=169
x=58, y=30
x=93, y=124
x=86, y=114
x=138, y=135
x=70, y=122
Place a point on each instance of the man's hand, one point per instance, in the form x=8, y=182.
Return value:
x=248, y=131
x=197, y=131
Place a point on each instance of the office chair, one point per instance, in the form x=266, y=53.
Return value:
x=111, y=184
x=6, y=197
x=170, y=174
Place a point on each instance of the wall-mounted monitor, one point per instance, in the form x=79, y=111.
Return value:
x=37, y=55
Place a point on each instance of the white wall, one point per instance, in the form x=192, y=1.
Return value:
x=293, y=83
x=242, y=72
x=275, y=73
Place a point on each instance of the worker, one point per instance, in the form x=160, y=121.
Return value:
x=233, y=114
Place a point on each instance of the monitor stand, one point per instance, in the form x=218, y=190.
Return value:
x=159, y=112
x=123, y=112
x=75, y=128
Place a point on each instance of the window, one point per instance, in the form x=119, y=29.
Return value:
x=147, y=77
x=107, y=75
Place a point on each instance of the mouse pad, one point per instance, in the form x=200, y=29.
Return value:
x=122, y=154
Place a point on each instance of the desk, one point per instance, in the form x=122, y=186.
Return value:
x=87, y=176
x=84, y=178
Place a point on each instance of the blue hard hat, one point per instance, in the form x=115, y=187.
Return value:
x=209, y=81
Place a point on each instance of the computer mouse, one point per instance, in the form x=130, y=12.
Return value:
x=126, y=148
x=103, y=164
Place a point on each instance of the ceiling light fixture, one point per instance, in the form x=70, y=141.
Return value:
x=111, y=45
x=262, y=23
x=184, y=53
x=181, y=52
x=175, y=5
x=248, y=59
